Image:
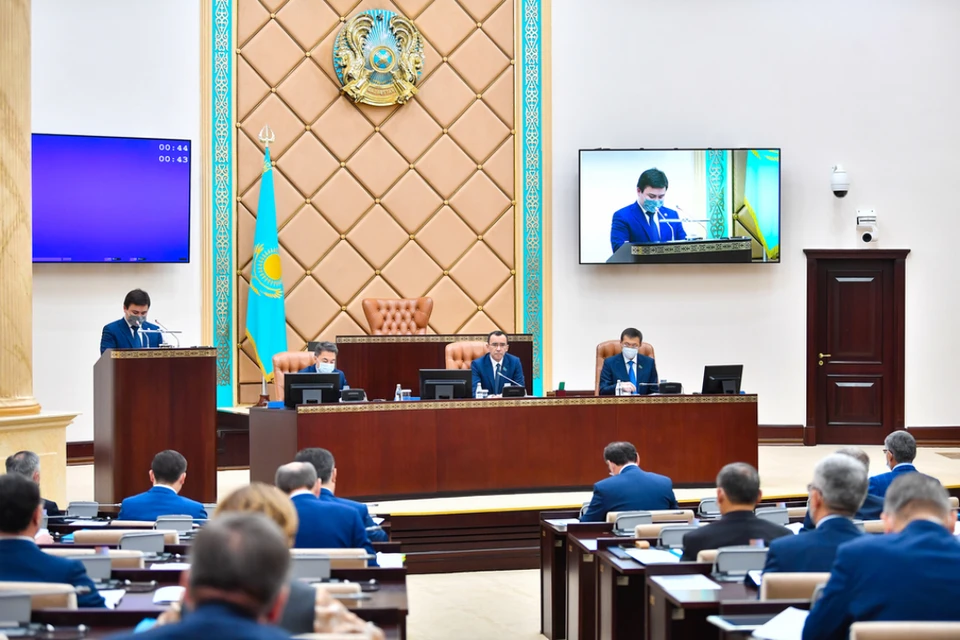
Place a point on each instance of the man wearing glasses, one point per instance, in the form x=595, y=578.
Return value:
x=498, y=368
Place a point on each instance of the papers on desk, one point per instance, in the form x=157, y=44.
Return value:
x=87, y=524
x=170, y=566
x=561, y=523
x=788, y=625
x=686, y=582
x=391, y=560
x=377, y=521
x=112, y=597
x=166, y=595
x=652, y=556
x=956, y=529
x=795, y=526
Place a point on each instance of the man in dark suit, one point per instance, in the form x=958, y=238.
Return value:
x=637, y=374
x=21, y=560
x=168, y=472
x=326, y=362
x=323, y=524
x=629, y=488
x=27, y=464
x=738, y=492
x=126, y=333
x=323, y=461
x=837, y=491
x=872, y=505
x=647, y=220
x=236, y=585
x=911, y=573
x=900, y=448
x=497, y=368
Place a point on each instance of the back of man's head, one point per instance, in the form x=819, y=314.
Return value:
x=294, y=476
x=19, y=499
x=620, y=453
x=842, y=481
x=241, y=558
x=857, y=454
x=321, y=459
x=902, y=446
x=24, y=463
x=740, y=483
x=168, y=466
x=914, y=496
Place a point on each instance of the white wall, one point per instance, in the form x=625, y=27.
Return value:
x=871, y=84
x=120, y=68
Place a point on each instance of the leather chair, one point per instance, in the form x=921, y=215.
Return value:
x=109, y=535
x=612, y=348
x=339, y=558
x=45, y=595
x=667, y=516
x=119, y=558
x=289, y=362
x=899, y=630
x=791, y=586
x=459, y=355
x=397, y=317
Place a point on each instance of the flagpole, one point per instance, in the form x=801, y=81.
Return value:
x=266, y=137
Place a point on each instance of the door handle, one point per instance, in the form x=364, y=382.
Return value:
x=825, y=355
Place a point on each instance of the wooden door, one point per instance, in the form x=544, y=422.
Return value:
x=855, y=346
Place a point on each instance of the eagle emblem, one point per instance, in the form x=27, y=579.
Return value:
x=378, y=56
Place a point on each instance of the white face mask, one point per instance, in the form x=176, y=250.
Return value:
x=325, y=367
x=630, y=352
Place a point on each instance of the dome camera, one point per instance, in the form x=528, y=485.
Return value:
x=839, y=182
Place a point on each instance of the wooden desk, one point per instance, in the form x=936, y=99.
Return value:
x=378, y=364
x=501, y=445
x=755, y=608
x=680, y=614
x=553, y=573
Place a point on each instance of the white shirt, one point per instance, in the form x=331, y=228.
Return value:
x=902, y=464
x=301, y=492
x=9, y=537
x=493, y=368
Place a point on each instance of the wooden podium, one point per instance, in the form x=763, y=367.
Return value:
x=719, y=250
x=148, y=400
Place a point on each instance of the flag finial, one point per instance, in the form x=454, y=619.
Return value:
x=267, y=136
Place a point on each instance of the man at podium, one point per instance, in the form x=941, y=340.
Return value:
x=647, y=220
x=326, y=362
x=127, y=332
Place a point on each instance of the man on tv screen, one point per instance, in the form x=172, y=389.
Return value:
x=647, y=220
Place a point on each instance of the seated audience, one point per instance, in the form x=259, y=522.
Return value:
x=872, y=505
x=900, y=449
x=630, y=488
x=168, y=472
x=322, y=460
x=326, y=362
x=21, y=560
x=637, y=374
x=910, y=574
x=738, y=492
x=323, y=524
x=837, y=491
x=236, y=585
x=27, y=464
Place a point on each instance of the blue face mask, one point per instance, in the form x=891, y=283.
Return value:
x=651, y=206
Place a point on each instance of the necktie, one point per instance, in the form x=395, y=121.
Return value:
x=137, y=342
x=633, y=375
x=496, y=378
x=654, y=228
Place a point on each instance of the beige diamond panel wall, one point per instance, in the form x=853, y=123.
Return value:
x=400, y=201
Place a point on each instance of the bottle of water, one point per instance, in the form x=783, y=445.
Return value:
x=396, y=396
x=619, y=391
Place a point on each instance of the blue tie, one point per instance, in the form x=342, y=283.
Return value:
x=633, y=375
x=497, y=384
x=137, y=342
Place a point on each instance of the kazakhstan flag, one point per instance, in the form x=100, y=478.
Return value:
x=266, y=320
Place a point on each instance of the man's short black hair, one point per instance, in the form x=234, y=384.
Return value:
x=653, y=178
x=138, y=297
x=496, y=333
x=168, y=466
x=329, y=347
x=631, y=333
x=19, y=499
x=620, y=453
x=321, y=459
x=740, y=482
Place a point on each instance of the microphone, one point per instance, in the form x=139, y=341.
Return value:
x=661, y=216
x=165, y=330
x=510, y=380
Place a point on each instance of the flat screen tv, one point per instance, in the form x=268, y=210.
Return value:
x=106, y=199
x=679, y=205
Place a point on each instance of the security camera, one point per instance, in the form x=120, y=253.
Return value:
x=868, y=228
x=839, y=182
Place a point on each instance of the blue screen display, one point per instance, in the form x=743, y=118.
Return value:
x=98, y=199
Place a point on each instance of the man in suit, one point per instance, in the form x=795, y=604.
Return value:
x=636, y=374
x=738, y=492
x=27, y=464
x=325, y=465
x=168, y=472
x=126, y=333
x=900, y=448
x=647, y=220
x=497, y=368
x=21, y=560
x=629, y=488
x=323, y=524
x=911, y=573
x=837, y=491
x=236, y=586
x=326, y=362
x=872, y=505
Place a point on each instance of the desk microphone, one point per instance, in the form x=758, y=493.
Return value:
x=510, y=380
x=165, y=330
x=661, y=216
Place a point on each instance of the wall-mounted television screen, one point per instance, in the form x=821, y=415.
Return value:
x=679, y=205
x=102, y=199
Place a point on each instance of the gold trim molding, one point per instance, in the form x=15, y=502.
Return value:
x=524, y=337
x=146, y=354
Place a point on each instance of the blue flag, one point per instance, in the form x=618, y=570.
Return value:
x=266, y=320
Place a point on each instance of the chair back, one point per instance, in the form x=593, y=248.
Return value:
x=311, y=568
x=954, y=502
x=709, y=507
x=776, y=515
x=459, y=355
x=797, y=512
x=14, y=608
x=45, y=595
x=110, y=535
x=612, y=348
x=873, y=526
x=83, y=509
x=673, y=515
x=119, y=558
x=628, y=520
x=900, y=630
x=739, y=560
x=289, y=362
x=181, y=524
x=707, y=555
x=145, y=541
x=672, y=535
x=791, y=586
x=339, y=558
x=648, y=530
x=397, y=316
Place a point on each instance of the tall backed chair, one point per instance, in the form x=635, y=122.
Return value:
x=288, y=362
x=459, y=355
x=898, y=630
x=397, y=316
x=612, y=348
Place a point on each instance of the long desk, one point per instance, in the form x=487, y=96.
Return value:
x=407, y=449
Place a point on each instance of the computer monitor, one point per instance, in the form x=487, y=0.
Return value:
x=310, y=388
x=445, y=384
x=724, y=378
